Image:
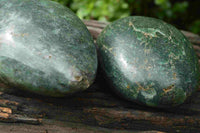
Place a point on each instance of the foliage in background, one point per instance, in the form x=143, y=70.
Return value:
x=195, y=27
x=166, y=9
x=104, y=10
x=181, y=13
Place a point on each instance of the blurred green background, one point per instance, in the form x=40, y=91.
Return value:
x=180, y=13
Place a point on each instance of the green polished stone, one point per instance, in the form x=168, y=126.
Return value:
x=44, y=48
x=148, y=61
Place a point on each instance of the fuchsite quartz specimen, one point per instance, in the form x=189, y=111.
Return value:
x=44, y=48
x=148, y=61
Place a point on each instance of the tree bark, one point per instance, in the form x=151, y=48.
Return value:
x=96, y=109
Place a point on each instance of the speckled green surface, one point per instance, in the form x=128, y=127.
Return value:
x=148, y=61
x=44, y=48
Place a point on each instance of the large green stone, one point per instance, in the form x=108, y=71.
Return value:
x=44, y=48
x=148, y=61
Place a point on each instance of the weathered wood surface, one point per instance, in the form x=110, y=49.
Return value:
x=95, y=110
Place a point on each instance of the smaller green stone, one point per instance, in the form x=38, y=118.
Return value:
x=148, y=61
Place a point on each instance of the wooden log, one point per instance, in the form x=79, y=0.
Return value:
x=95, y=107
x=95, y=110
